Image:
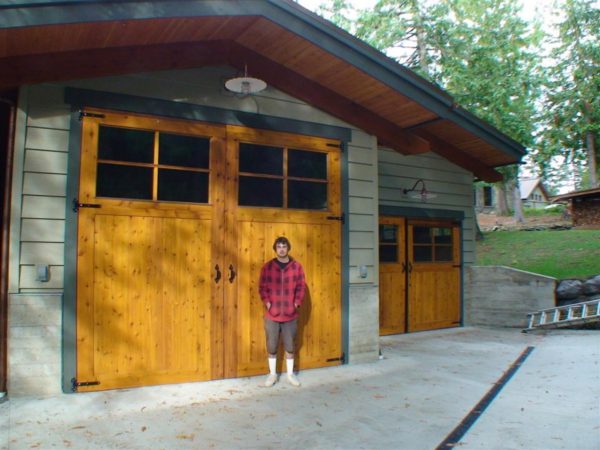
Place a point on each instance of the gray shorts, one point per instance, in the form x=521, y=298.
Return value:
x=286, y=329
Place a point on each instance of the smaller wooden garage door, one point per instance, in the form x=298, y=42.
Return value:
x=420, y=272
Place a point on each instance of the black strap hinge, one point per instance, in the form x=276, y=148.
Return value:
x=77, y=384
x=83, y=114
x=341, y=359
x=77, y=205
x=341, y=218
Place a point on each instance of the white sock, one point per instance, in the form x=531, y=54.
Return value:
x=290, y=366
x=273, y=366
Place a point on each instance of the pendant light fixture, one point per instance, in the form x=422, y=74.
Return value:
x=245, y=85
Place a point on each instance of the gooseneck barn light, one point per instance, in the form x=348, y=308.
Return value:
x=422, y=194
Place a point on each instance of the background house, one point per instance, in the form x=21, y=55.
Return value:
x=143, y=195
x=533, y=193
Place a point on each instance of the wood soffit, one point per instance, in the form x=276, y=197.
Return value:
x=286, y=60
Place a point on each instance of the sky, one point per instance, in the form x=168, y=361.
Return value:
x=530, y=7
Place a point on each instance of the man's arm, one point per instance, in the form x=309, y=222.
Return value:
x=264, y=288
x=300, y=289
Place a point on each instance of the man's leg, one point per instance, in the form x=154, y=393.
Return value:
x=272, y=334
x=288, y=330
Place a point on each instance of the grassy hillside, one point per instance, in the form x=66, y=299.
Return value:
x=557, y=253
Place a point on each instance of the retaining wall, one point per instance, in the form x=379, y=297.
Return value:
x=503, y=296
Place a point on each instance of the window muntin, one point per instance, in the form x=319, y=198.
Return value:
x=152, y=165
x=282, y=177
x=432, y=244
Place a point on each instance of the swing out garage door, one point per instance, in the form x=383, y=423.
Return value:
x=175, y=220
x=419, y=281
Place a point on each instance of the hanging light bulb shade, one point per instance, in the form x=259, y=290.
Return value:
x=245, y=85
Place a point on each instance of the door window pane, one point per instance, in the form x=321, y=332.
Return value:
x=307, y=195
x=119, y=181
x=388, y=233
x=443, y=253
x=263, y=159
x=442, y=235
x=182, y=186
x=422, y=235
x=388, y=253
x=305, y=164
x=422, y=254
x=186, y=151
x=124, y=144
x=256, y=191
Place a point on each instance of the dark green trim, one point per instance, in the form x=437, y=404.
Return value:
x=69, y=309
x=80, y=98
x=286, y=14
x=345, y=255
x=420, y=213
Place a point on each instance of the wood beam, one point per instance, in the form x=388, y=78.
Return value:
x=460, y=158
x=327, y=100
x=92, y=63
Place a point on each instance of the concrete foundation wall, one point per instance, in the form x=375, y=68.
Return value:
x=34, y=344
x=502, y=296
x=363, y=324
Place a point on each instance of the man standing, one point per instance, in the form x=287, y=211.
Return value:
x=282, y=286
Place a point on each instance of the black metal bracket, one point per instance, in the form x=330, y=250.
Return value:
x=341, y=218
x=76, y=384
x=83, y=114
x=77, y=205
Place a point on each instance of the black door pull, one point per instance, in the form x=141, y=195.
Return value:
x=231, y=273
x=218, y=275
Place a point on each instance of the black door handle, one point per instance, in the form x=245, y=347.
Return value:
x=410, y=267
x=231, y=273
x=218, y=274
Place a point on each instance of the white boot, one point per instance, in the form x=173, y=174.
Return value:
x=272, y=378
x=290, y=373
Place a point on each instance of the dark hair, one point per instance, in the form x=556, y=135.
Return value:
x=282, y=240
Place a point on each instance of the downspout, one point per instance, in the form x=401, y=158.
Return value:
x=4, y=245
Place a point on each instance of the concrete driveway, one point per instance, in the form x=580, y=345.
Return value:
x=415, y=398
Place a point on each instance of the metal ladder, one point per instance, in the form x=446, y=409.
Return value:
x=564, y=316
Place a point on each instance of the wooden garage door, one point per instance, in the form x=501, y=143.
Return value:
x=419, y=275
x=292, y=189
x=167, y=260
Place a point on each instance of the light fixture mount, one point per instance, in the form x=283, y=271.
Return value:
x=422, y=194
x=245, y=85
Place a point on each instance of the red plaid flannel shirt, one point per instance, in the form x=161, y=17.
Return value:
x=284, y=289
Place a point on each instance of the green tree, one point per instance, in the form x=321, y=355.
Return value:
x=572, y=97
x=485, y=58
x=480, y=51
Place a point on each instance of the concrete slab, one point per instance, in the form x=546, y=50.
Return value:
x=412, y=399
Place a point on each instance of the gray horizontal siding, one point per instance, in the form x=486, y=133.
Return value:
x=452, y=186
x=42, y=200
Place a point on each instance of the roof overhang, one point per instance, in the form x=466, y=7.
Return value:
x=585, y=194
x=291, y=48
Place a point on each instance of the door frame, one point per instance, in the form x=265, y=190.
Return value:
x=430, y=214
x=8, y=110
x=81, y=98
